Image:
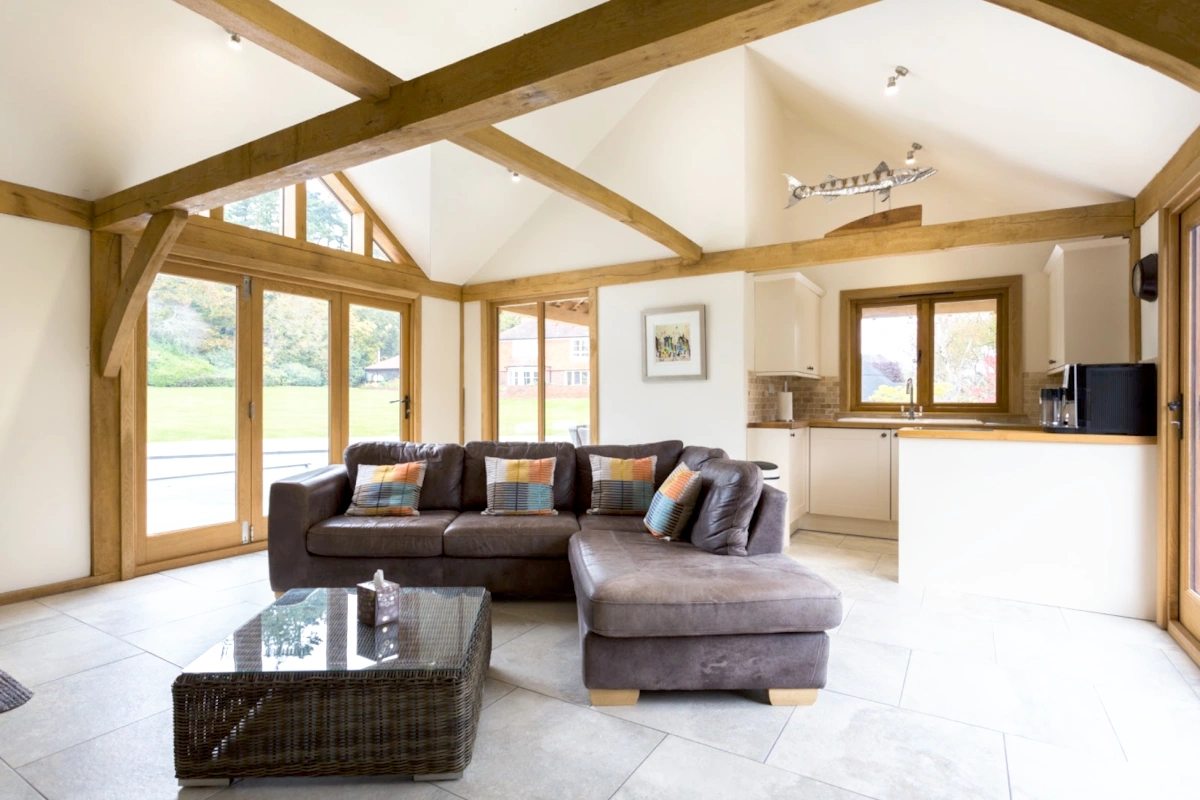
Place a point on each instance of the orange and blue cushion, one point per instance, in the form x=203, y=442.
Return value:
x=671, y=509
x=622, y=485
x=520, y=487
x=392, y=490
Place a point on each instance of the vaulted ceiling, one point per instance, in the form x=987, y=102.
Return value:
x=1016, y=115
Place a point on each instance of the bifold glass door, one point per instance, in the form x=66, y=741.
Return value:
x=1189, y=555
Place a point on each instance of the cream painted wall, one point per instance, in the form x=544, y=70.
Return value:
x=45, y=523
x=765, y=157
x=440, y=393
x=1024, y=259
x=710, y=412
x=1150, y=310
x=472, y=372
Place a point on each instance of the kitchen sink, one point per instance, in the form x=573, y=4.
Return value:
x=918, y=422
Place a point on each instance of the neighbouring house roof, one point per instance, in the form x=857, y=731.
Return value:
x=554, y=330
x=386, y=364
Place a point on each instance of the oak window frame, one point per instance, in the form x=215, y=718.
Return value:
x=1008, y=293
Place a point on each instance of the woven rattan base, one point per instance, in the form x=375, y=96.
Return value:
x=393, y=719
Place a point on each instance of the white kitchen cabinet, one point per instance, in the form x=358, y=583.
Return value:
x=788, y=449
x=787, y=326
x=1089, y=303
x=850, y=473
x=895, y=476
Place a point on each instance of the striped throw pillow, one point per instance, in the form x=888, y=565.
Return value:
x=672, y=506
x=392, y=490
x=520, y=487
x=622, y=485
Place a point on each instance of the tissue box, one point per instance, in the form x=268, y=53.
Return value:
x=378, y=608
x=379, y=643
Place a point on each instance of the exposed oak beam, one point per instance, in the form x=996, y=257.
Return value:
x=603, y=46
x=349, y=194
x=1174, y=175
x=496, y=145
x=26, y=201
x=286, y=35
x=1163, y=35
x=1111, y=219
x=148, y=258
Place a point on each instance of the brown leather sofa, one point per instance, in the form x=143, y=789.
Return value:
x=737, y=614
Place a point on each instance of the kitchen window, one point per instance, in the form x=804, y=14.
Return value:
x=946, y=347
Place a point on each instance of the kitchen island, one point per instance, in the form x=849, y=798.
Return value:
x=1059, y=519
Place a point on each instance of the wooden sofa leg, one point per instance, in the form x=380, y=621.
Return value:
x=614, y=697
x=792, y=697
x=279, y=595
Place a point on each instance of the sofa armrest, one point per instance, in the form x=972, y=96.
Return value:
x=297, y=504
x=768, y=529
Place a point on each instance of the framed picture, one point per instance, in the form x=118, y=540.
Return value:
x=674, y=347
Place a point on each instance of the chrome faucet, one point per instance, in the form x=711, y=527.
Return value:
x=912, y=409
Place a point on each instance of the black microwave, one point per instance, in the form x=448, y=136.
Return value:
x=1109, y=399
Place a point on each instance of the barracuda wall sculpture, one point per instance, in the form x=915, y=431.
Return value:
x=882, y=180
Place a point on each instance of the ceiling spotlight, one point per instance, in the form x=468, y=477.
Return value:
x=892, y=86
x=235, y=41
x=516, y=177
x=912, y=154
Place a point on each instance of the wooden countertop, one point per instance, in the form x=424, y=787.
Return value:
x=832, y=423
x=1011, y=435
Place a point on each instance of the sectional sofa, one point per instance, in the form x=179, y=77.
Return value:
x=652, y=614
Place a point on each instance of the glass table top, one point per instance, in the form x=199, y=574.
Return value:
x=317, y=630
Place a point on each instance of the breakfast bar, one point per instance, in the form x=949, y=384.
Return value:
x=1059, y=519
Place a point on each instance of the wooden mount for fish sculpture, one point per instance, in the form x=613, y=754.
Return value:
x=906, y=217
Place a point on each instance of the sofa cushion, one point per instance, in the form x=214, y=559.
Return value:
x=611, y=522
x=632, y=585
x=520, y=487
x=673, y=504
x=730, y=491
x=387, y=490
x=667, y=454
x=474, y=474
x=621, y=485
x=694, y=457
x=443, y=473
x=380, y=537
x=474, y=535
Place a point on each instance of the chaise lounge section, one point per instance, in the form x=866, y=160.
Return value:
x=728, y=611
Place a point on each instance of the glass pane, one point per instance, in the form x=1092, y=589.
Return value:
x=1192, y=565
x=263, y=212
x=964, y=351
x=888, y=344
x=377, y=252
x=517, y=383
x=295, y=413
x=328, y=219
x=376, y=374
x=568, y=371
x=191, y=404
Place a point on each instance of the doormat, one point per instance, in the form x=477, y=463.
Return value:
x=12, y=693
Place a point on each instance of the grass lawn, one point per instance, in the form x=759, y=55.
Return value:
x=191, y=414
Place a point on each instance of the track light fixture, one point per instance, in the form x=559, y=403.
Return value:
x=235, y=41
x=892, y=86
x=912, y=154
x=516, y=177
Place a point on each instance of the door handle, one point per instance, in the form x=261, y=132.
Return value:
x=407, y=406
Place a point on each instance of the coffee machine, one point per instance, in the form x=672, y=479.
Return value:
x=1118, y=399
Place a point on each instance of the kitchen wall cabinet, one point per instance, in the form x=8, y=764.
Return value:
x=851, y=473
x=787, y=326
x=1089, y=303
x=788, y=449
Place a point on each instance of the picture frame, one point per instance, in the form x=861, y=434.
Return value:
x=674, y=344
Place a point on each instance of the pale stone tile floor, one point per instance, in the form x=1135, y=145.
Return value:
x=931, y=694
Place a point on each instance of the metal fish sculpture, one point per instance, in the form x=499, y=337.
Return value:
x=882, y=180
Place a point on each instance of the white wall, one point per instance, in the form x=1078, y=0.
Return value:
x=1150, y=310
x=472, y=372
x=765, y=158
x=710, y=412
x=1023, y=259
x=440, y=393
x=45, y=519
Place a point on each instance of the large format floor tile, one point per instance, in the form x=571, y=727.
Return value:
x=1031, y=704
x=506, y=627
x=71, y=710
x=224, y=574
x=685, y=770
x=891, y=753
x=14, y=787
x=869, y=670
x=128, y=614
x=545, y=660
x=995, y=609
x=1154, y=726
x=50, y=622
x=136, y=761
x=1040, y=771
x=532, y=746
x=820, y=557
x=109, y=591
x=918, y=629
x=183, y=641
x=398, y=788
x=56, y=655
x=1117, y=629
x=731, y=721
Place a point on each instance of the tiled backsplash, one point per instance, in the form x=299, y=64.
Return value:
x=820, y=400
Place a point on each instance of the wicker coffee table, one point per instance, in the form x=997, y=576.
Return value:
x=304, y=689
